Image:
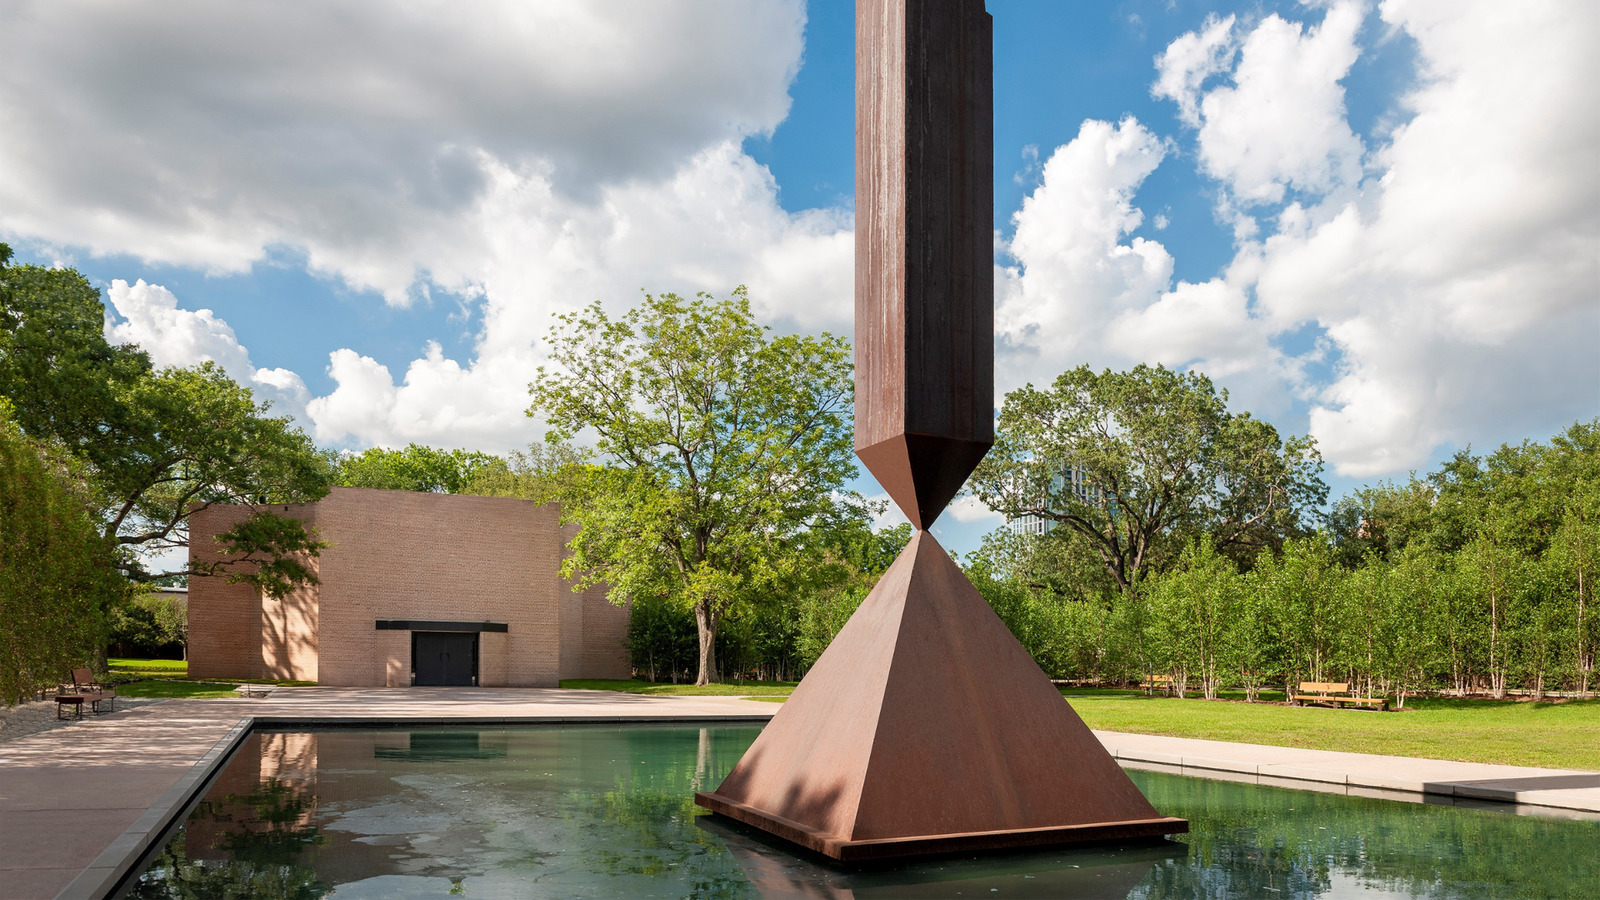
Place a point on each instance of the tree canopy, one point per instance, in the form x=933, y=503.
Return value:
x=723, y=444
x=415, y=468
x=155, y=444
x=1477, y=578
x=1135, y=464
x=57, y=581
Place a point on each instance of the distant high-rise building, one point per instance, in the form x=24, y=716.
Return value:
x=1072, y=479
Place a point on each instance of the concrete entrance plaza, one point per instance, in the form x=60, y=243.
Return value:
x=80, y=805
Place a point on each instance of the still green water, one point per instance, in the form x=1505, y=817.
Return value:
x=606, y=811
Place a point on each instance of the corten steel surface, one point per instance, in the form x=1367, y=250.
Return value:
x=926, y=728
x=924, y=342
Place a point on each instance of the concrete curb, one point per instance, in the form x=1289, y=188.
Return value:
x=116, y=862
x=112, y=868
x=1350, y=774
x=1304, y=777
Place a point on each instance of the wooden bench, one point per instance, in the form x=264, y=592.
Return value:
x=1152, y=682
x=1335, y=692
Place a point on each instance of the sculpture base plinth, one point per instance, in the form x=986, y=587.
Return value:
x=849, y=851
x=925, y=728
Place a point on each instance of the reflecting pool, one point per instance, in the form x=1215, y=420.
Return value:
x=606, y=811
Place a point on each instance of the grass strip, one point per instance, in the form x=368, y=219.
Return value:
x=719, y=689
x=179, y=690
x=176, y=668
x=1553, y=735
x=1562, y=735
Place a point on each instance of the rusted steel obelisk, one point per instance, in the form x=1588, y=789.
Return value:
x=925, y=727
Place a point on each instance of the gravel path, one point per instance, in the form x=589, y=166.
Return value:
x=31, y=718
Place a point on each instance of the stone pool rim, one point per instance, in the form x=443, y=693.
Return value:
x=1456, y=783
x=125, y=856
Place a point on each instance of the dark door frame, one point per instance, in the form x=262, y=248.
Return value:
x=475, y=642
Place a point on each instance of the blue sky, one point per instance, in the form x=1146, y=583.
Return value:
x=1378, y=224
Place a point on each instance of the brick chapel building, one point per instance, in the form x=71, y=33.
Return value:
x=415, y=589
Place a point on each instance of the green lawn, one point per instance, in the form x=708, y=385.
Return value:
x=721, y=689
x=155, y=668
x=1557, y=735
x=181, y=690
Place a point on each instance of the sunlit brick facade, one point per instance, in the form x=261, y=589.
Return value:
x=406, y=574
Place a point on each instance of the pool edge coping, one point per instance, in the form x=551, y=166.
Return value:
x=1197, y=766
x=111, y=868
x=109, y=871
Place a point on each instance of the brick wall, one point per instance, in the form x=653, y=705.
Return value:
x=224, y=619
x=592, y=629
x=605, y=628
x=408, y=555
x=412, y=556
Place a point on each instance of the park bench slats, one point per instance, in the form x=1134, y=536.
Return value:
x=1335, y=692
x=1154, y=682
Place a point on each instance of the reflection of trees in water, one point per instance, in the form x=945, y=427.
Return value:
x=1256, y=841
x=261, y=836
x=649, y=829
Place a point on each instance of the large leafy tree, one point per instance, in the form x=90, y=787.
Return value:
x=722, y=445
x=1136, y=463
x=415, y=468
x=156, y=444
x=56, y=577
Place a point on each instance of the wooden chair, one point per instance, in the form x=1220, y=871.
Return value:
x=85, y=687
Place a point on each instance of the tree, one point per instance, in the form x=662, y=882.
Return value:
x=1497, y=574
x=155, y=445
x=544, y=473
x=723, y=444
x=1295, y=592
x=1409, y=644
x=1196, y=610
x=416, y=468
x=1361, y=607
x=56, y=573
x=1140, y=462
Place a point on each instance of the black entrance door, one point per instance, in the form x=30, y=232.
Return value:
x=444, y=658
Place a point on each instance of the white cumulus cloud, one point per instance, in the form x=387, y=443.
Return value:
x=1281, y=124
x=531, y=157
x=150, y=317
x=1446, y=278
x=1461, y=286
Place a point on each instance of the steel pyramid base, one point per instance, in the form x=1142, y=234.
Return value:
x=926, y=728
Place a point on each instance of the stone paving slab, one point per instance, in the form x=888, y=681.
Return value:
x=1556, y=788
x=108, y=787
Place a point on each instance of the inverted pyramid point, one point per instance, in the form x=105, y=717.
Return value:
x=925, y=727
x=922, y=472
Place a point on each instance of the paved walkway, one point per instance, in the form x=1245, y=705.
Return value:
x=79, y=805
x=1360, y=773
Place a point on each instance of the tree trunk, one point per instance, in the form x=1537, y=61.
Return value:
x=1497, y=678
x=705, y=622
x=1584, y=661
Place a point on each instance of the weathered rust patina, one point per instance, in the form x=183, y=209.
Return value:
x=926, y=727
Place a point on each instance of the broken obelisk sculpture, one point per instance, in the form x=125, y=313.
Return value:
x=925, y=727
